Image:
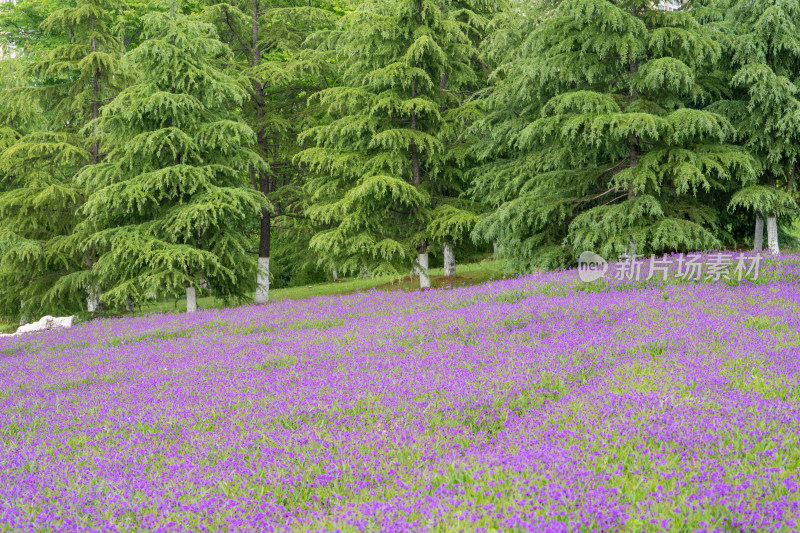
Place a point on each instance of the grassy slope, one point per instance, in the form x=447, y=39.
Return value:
x=467, y=274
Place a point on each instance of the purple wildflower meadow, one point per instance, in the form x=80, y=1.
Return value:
x=534, y=403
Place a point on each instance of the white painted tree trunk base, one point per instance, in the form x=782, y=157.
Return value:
x=631, y=249
x=262, y=290
x=424, y=279
x=191, y=300
x=93, y=299
x=449, y=261
x=772, y=235
x=758, y=241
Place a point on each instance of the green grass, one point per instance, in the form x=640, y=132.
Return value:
x=466, y=274
x=795, y=232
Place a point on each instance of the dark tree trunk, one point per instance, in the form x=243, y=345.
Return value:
x=261, y=180
x=95, y=101
x=634, y=156
x=416, y=174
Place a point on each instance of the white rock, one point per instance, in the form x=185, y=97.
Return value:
x=63, y=322
x=41, y=325
x=46, y=323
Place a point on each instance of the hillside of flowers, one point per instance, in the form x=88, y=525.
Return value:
x=535, y=403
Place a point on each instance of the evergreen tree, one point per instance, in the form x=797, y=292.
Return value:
x=170, y=204
x=278, y=73
x=379, y=160
x=765, y=66
x=595, y=141
x=455, y=214
x=22, y=28
x=38, y=207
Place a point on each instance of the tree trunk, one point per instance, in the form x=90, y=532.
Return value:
x=129, y=307
x=335, y=274
x=95, y=102
x=772, y=234
x=495, y=248
x=634, y=153
x=631, y=248
x=758, y=242
x=449, y=261
x=191, y=299
x=262, y=291
x=93, y=299
x=23, y=320
x=772, y=223
x=416, y=178
x=449, y=256
x=256, y=51
x=264, y=183
x=416, y=174
x=422, y=260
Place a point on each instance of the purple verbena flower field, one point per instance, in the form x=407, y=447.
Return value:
x=533, y=403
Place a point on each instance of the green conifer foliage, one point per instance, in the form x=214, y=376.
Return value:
x=455, y=214
x=595, y=139
x=170, y=204
x=379, y=161
x=21, y=22
x=765, y=60
x=40, y=197
x=278, y=72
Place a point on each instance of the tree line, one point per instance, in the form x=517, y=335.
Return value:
x=150, y=148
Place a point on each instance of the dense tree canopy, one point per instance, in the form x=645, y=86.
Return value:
x=39, y=207
x=381, y=181
x=157, y=147
x=279, y=75
x=765, y=72
x=605, y=145
x=168, y=208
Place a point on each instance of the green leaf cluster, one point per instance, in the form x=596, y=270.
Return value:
x=595, y=136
